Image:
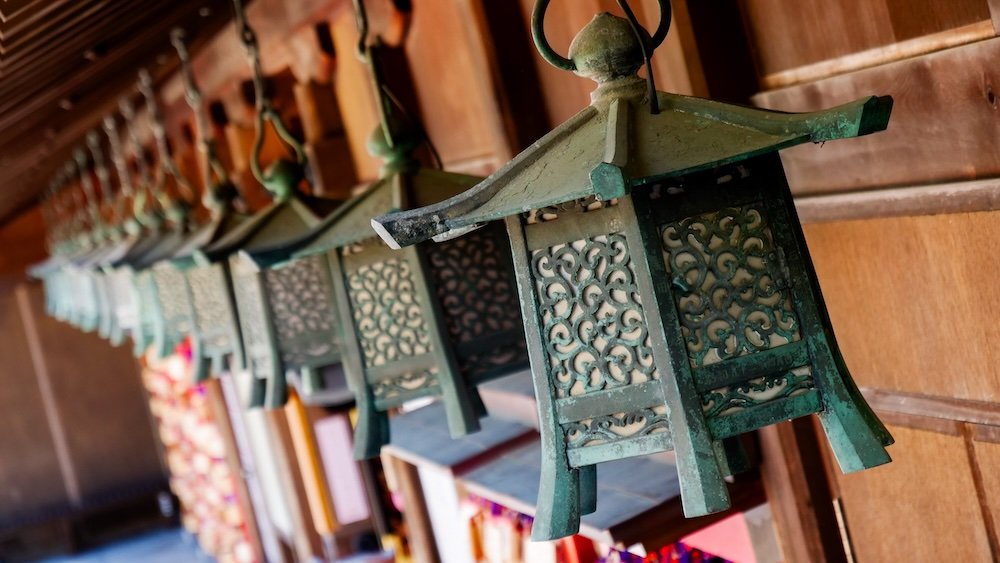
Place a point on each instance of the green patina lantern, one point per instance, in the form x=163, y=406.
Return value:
x=434, y=320
x=285, y=315
x=214, y=331
x=111, y=234
x=667, y=291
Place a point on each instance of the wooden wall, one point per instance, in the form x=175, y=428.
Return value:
x=902, y=226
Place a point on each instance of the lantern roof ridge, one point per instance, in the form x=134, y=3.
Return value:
x=397, y=190
x=279, y=223
x=687, y=135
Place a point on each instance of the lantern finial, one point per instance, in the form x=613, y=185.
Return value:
x=606, y=49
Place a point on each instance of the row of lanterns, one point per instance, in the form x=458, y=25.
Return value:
x=644, y=258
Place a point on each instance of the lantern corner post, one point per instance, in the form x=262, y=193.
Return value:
x=460, y=399
x=371, y=429
x=558, y=508
x=857, y=436
x=703, y=486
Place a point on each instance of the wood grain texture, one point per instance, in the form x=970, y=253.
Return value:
x=786, y=35
x=945, y=124
x=33, y=485
x=914, y=301
x=103, y=408
x=800, y=500
x=922, y=507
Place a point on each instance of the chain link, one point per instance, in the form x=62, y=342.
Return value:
x=126, y=190
x=265, y=109
x=215, y=175
x=145, y=181
x=167, y=165
x=100, y=169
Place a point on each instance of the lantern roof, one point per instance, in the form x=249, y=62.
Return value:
x=216, y=229
x=687, y=135
x=271, y=229
x=646, y=135
x=405, y=188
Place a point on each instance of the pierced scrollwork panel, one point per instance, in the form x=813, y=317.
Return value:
x=756, y=392
x=406, y=385
x=253, y=322
x=475, y=285
x=731, y=292
x=212, y=312
x=615, y=427
x=303, y=312
x=593, y=327
x=388, y=316
x=172, y=290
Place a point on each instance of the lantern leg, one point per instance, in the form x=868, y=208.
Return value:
x=859, y=401
x=478, y=406
x=277, y=390
x=311, y=380
x=703, y=488
x=258, y=391
x=372, y=428
x=855, y=442
x=557, y=513
x=588, y=489
x=732, y=456
x=200, y=365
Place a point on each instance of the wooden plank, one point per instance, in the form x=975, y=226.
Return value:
x=800, y=501
x=985, y=476
x=418, y=522
x=987, y=456
x=939, y=199
x=932, y=491
x=913, y=301
x=107, y=383
x=946, y=408
x=881, y=55
x=787, y=36
x=42, y=480
x=944, y=126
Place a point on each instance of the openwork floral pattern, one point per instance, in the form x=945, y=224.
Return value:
x=593, y=327
x=614, y=427
x=729, y=286
x=299, y=298
x=211, y=306
x=727, y=400
x=253, y=323
x=388, y=316
x=474, y=285
x=173, y=294
x=399, y=389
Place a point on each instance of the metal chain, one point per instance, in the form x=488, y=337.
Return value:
x=145, y=188
x=101, y=169
x=167, y=165
x=126, y=190
x=87, y=183
x=384, y=98
x=215, y=174
x=265, y=109
x=77, y=218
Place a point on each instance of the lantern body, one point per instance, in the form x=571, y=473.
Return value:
x=216, y=340
x=434, y=320
x=122, y=303
x=175, y=303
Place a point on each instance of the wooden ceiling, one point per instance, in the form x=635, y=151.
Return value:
x=63, y=66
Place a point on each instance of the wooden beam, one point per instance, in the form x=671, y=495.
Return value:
x=975, y=412
x=793, y=473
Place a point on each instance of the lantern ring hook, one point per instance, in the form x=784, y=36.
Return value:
x=561, y=62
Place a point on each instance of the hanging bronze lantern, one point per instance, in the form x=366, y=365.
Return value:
x=216, y=344
x=285, y=316
x=434, y=320
x=668, y=295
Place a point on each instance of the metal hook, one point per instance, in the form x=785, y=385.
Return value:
x=167, y=165
x=215, y=176
x=265, y=110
